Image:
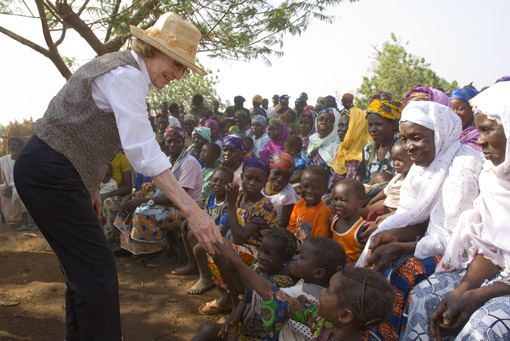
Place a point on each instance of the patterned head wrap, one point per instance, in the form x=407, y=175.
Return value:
x=284, y=162
x=300, y=101
x=202, y=131
x=216, y=127
x=464, y=94
x=255, y=162
x=257, y=99
x=189, y=117
x=284, y=98
x=234, y=141
x=311, y=114
x=384, y=109
x=333, y=99
x=260, y=120
x=174, y=130
x=421, y=94
x=276, y=121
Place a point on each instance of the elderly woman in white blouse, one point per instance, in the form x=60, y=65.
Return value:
x=101, y=108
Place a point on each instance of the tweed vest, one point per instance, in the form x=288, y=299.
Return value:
x=75, y=127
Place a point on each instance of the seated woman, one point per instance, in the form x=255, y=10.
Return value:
x=200, y=136
x=144, y=222
x=353, y=134
x=442, y=183
x=461, y=107
x=471, y=299
x=231, y=152
x=324, y=143
x=382, y=118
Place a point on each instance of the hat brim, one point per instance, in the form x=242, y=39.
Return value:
x=173, y=53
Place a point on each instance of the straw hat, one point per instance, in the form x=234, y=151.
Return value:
x=175, y=37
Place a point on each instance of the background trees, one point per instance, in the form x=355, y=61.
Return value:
x=397, y=71
x=231, y=29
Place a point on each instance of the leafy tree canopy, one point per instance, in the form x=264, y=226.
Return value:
x=397, y=71
x=231, y=29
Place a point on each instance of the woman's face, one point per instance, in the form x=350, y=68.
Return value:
x=188, y=126
x=418, y=142
x=464, y=111
x=274, y=130
x=162, y=123
x=278, y=179
x=492, y=139
x=214, y=135
x=198, y=141
x=174, y=145
x=380, y=128
x=305, y=125
x=257, y=129
x=325, y=123
x=163, y=69
x=231, y=155
x=343, y=126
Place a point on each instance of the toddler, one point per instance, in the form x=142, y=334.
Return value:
x=208, y=155
x=348, y=197
x=356, y=300
x=310, y=216
x=278, y=190
x=277, y=249
x=293, y=146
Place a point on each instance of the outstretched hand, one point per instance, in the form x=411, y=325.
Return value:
x=205, y=230
x=226, y=250
x=232, y=193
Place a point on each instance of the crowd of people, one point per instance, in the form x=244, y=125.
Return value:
x=314, y=201
x=320, y=222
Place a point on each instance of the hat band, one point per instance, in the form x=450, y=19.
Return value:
x=172, y=40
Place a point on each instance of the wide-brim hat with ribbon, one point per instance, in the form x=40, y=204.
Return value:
x=175, y=37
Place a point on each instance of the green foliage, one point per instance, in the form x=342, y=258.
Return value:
x=397, y=71
x=181, y=92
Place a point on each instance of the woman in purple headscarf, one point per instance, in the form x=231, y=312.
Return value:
x=425, y=94
x=460, y=103
x=215, y=131
x=277, y=132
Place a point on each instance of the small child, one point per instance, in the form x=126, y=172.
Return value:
x=348, y=198
x=200, y=136
x=278, y=190
x=318, y=260
x=356, y=300
x=108, y=184
x=216, y=207
x=208, y=155
x=248, y=148
x=250, y=216
x=293, y=146
x=277, y=249
x=310, y=216
x=390, y=195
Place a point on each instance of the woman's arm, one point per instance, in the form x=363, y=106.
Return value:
x=200, y=222
x=125, y=189
x=283, y=220
x=455, y=310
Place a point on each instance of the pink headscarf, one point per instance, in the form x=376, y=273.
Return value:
x=275, y=146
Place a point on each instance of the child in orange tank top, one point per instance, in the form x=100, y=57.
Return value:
x=348, y=196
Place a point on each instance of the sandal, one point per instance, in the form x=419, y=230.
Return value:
x=212, y=308
x=158, y=261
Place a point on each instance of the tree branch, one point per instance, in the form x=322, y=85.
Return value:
x=25, y=41
x=112, y=20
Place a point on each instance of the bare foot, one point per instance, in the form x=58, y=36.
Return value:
x=201, y=286
x=187, y=269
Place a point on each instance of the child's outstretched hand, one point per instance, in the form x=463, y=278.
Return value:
x=227, y=251
x=232, y=193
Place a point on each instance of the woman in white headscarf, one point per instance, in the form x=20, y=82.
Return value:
x=325, y=142
x=440, y=185
x=471, y=298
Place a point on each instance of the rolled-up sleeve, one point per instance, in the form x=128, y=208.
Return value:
x=123, y=90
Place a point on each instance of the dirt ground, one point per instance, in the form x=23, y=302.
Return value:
x=153, y=303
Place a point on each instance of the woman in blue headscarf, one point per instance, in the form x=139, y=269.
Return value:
x=460, y=104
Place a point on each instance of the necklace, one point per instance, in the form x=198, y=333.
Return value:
x=218, y=203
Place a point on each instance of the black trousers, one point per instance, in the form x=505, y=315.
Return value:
x=56, y=198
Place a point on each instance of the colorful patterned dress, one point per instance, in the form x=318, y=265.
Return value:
x=314, y=158
x=385, y=165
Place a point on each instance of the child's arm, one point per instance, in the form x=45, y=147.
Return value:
x=239, y=234
x=223, y=229
x=283, y=220
x=296, y=178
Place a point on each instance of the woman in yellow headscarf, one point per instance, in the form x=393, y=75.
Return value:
x=353, y=132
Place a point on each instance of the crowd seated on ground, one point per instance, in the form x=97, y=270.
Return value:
x=380, y=224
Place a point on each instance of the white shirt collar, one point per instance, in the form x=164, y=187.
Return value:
x=143, y=68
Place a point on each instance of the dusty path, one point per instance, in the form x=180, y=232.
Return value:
x=154, y=304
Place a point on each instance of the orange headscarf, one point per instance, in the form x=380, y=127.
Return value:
x=356, y=137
